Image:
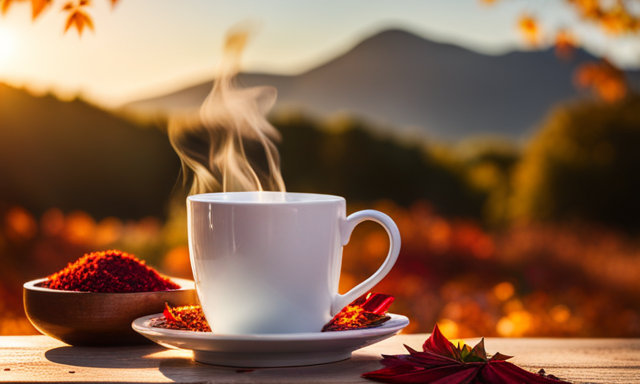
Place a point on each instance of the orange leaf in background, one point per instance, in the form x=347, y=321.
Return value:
x=614, y=17
x=6, y=4
x=615, y=23
x=37, y=6
x=114, y=2
x=488, y=2
x=565, y=44
x=78, y=19
x=607, y=81
x=529, y=29
x=75, y=5
x=588, y=8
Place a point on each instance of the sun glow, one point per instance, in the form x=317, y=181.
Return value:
x=8, y=46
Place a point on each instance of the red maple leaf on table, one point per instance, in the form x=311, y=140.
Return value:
x=441, y=362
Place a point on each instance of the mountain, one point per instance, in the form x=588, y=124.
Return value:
x=400, y=80
x=72, y=155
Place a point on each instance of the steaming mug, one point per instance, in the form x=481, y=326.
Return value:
x=269, y=262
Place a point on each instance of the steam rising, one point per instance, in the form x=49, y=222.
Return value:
x=218, y=145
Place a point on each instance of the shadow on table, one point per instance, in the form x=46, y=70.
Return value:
x=178, y=365
x=337, y=372
x=113, y=357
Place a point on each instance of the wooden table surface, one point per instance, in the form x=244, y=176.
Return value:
x=43, y=359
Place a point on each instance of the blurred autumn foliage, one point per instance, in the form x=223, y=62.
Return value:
x=613, y=17
x=565, y=44
x=529, y=28
x=76, y=11
x=605, y=79
x=529, y=280
x=616, y=18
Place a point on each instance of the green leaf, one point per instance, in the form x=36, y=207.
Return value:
x=478, y=353
x=465, y=351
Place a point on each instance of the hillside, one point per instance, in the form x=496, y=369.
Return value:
x=72, y=155
x=401, y=80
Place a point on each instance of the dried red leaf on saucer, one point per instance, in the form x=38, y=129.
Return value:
x=442, y=362
x=367, y=311
x=184, y=318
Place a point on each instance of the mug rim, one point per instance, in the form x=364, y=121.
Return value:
x=289, y=198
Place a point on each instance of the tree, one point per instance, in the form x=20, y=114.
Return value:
x=583, y=165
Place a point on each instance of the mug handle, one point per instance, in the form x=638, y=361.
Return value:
x=346, y=228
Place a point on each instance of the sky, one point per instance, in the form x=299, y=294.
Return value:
x=143, y=48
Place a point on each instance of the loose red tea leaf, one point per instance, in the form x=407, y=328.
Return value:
x=184, y=318
x=442, y=362
x=367, y=311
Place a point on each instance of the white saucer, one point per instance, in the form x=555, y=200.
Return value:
x=269, y=350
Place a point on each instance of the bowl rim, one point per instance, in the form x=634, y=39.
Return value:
x=185, y=285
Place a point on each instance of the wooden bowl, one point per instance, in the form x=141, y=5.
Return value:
x=88, y=318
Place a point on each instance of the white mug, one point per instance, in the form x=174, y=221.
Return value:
x=269, y=262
